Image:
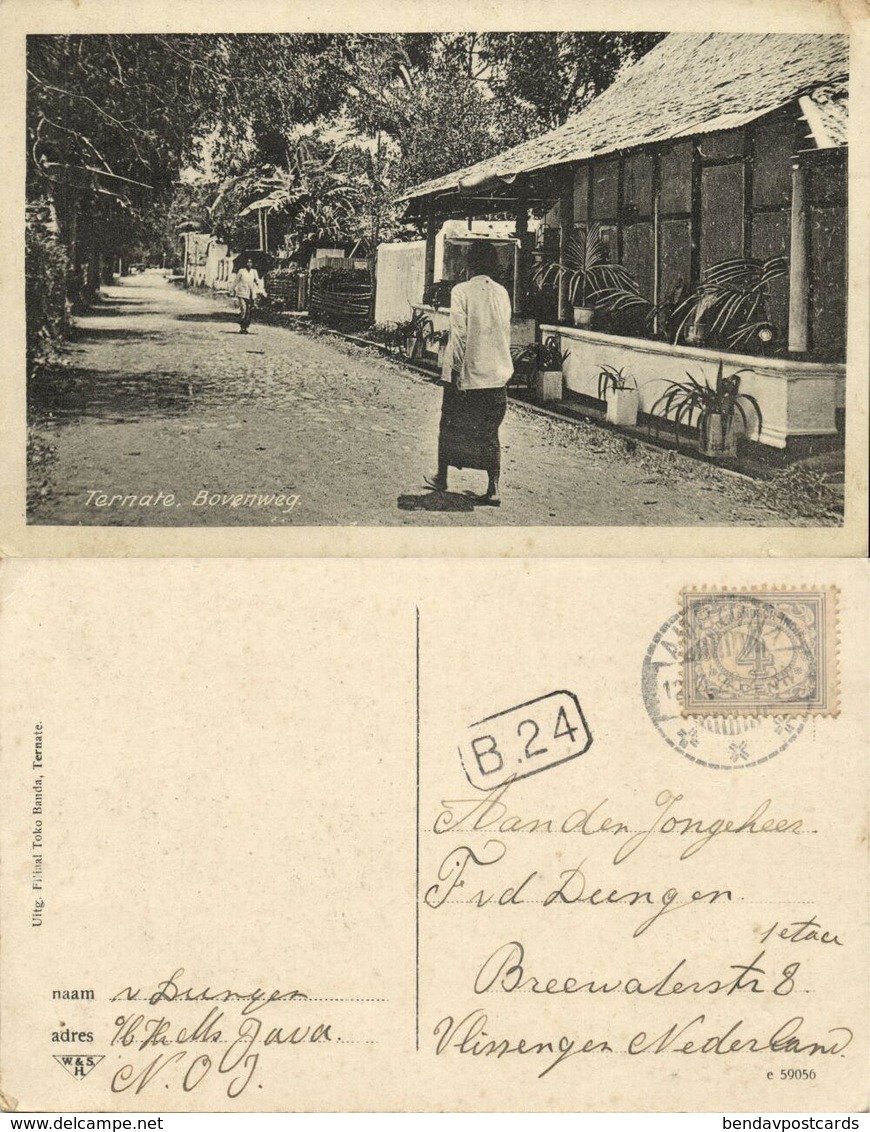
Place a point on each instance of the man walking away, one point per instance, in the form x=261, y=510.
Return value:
x=477, y=367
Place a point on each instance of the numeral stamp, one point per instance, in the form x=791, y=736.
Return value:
x=759, y=652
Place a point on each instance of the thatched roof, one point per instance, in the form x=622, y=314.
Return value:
x=826, y=110
x=689, y=84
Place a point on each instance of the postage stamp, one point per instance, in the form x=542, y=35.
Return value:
x=759, y=652
x=718, y=742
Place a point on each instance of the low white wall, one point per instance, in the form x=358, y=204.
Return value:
x=399, y=280
x=402, y=266
x=796, y=398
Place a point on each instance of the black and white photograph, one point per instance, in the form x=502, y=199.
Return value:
x=442, y=279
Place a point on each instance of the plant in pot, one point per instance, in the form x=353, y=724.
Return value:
x=729, y=308
x=719, y=411
x=411, y=333
x=525, y=362
x=617, y=296
x=592, y=280
x=619, y=392
x=548, y=373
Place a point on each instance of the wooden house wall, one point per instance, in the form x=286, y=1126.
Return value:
x=722, y=196
x=828, y=266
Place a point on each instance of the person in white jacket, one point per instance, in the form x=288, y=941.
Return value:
x=477, y=367
x=247, y=286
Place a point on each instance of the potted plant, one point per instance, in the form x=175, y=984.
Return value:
x=619, y=392
x=592, y=280
x=548, y=374
x=729, y=306
x=525, y=361
x=410, y=333
x=718, y=407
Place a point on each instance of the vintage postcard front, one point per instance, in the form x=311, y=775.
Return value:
x=434, y=835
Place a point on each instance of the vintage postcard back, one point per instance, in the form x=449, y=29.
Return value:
x=434, y=835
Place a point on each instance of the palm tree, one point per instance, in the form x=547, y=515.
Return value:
x=592, y=279
x=731, y=302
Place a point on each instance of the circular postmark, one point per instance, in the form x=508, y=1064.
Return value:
x=720, y=742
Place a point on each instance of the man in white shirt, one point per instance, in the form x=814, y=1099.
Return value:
x=247, y=286
x=477, y=367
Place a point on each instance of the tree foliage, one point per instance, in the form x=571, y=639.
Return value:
x=110, y=121
x=555, y=74
x=447, y=121
x=314, y=196
x=109, y=104
x=46, y=273
x=332, y=125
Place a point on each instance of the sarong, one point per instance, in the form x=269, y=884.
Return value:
x=470, y=420
x=246, y=309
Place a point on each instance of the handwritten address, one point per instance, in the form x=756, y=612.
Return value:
x=224, y=1042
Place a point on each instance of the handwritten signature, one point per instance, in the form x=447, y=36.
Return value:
x=169, y=990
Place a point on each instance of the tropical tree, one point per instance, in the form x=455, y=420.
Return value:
x=110, y=120
x=553, y=74
x=315, y=196
x=113, y=120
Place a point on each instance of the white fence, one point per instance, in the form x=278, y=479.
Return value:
x=400, y=280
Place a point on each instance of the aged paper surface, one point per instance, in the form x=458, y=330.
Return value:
x=397, y=533
x=422, y=835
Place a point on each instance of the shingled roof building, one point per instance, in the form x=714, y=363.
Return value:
x=711, y=148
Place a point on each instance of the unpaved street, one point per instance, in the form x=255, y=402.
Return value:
x=163, y=395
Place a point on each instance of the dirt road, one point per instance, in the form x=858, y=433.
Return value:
x=162, y=397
